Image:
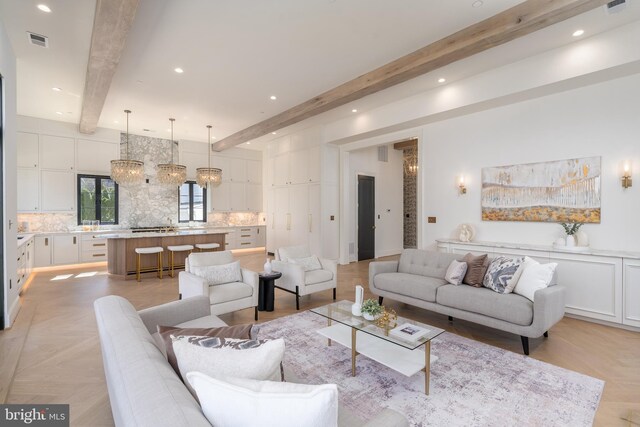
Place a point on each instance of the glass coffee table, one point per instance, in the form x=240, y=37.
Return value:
x=366, y=338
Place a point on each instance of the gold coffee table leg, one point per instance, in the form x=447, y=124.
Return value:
x=427, y=366
x=354, y=353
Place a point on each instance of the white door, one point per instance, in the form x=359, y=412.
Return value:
x=57, y=152
x=58, y=190
x=314, y=164
x=237, y=196
x=220, y=198
x=65, y=249
x=28, y=190
x=299, y=167
x=315, y=238
x=238, y=170
x=254, y=197
x=281, y=169
x=281, y=221
x=631, y=293
x=42, y=256
x=254, y=171
x=27, y=150
x=299, y=209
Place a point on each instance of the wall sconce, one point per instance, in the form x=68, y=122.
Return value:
x=461, y=187
x=626, y=177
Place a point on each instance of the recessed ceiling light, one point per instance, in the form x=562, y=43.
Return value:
x=273, y=133
x=354, y=111
x=442, y=80
x=578, y=33
x=44, y=8
x=178, y=70
x=56, y=89
x=477, y=3
x=59, y=113
x=273, y=97
x=116, y=122
x=248, y=143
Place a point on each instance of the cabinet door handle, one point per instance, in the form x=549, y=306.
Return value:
x=96, y=255
x=310, y=222
x=74, y=240
x=46, y=241
x=99, y=244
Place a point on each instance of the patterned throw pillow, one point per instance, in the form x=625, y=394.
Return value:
x=219, y=274
x=500, y=273
x=455, y=272
x=309, y=263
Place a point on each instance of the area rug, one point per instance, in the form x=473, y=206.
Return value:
x=472, y=384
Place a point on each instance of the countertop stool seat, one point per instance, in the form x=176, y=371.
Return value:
x=148, y=251
x=172, y=250
x=206, y=246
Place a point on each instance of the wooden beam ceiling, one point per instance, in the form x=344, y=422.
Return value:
x=525, y=18
x=111, y=24
x=405, y=145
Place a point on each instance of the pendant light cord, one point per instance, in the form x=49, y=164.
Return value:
x=172, y=120
x=127, y=150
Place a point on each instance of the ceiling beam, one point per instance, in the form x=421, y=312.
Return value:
x=405, y=145
x=111, y=24
x=525, y=18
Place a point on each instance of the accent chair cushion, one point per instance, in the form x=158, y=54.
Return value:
x=219, y=274
x=309, y=263
x=501, y=270
x=229, y=292
x=456, y=271
x=241, y=402
x=511, y=308
x=201, y=259
x=317, y=276
x=425, y=263
x=476, y=268
x=410, y=285
x=301, y=251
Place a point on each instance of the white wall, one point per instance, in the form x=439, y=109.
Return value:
x=598, y=120
x=388, y=203
x=9, y=226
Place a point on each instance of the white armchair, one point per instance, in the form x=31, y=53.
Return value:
x=296, y=280
x=225, y=297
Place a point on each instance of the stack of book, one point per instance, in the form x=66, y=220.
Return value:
x=409, y=332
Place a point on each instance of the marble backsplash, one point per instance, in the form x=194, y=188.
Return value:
x=224, y=219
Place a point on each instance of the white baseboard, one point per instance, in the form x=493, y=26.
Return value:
x=13, y=311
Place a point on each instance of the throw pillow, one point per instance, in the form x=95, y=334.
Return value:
x=535, y=277
x=165, y=332
x=217, y=357
x=309, y=263
x=241, y=402
x=219, y=274
x=500, y=271
x=476, y=267
x=511, y=283
x=455, y=272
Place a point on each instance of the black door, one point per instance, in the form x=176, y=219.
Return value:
x=366, y=217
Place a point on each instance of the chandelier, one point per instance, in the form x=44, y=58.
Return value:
x=410, y=161
x=171, y=173
x=207, y=175
x=126, y=171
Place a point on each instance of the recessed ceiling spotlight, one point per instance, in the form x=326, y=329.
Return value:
x=273, y=97
x=477, y=3
x=578, y=33
x=44, y=8
x=178, y=70
x=354, y=111
x=59, y=113
x=248, y=143
x=442, y=80
x=56, y=89
x=116, y=122
x=273, y=133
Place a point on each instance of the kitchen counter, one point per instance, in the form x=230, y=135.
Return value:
x=130, y=235
x=24, y=238
x=128, y=230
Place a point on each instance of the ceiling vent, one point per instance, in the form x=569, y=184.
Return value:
x=615, y=6
x=38, y=40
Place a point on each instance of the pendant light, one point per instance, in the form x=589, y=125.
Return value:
x=171, y=173
x=126, y=171
x=207, y=175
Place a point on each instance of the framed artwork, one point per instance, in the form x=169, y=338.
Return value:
x=557, y=191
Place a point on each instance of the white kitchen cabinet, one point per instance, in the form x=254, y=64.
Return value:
x=28, y=190
x=57, y=191
x=220, y=200
x=43, y=251
x=57, y=152
x=238, y=170
x=261, y=236
x=299, y=215
x=65, y=249
x=281, y=170
x=254, y=197
x=313, y=164
x=237, y=196
x=315, y=239
x=95, y=156
x=299, y=167
x=631, y=312
x=27, y=150
x=281, y=217
x=254, y=172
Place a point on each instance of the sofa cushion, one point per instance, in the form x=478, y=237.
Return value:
x=229, y=292
x=219, y=274
x=317, y=276
x=425, y=263
x=500, y=272
x=476, y=268
x=410, y=285
x=511, y=308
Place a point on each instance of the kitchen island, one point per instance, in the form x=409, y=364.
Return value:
x=121, y=256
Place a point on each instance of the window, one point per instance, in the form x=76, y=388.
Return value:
x=193, y=202
x=97, y=199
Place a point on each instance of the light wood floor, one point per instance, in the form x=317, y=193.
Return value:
x=52, y=353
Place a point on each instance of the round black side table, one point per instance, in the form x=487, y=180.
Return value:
x=266, y=292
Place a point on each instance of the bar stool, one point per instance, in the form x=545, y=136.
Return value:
x=178, y=248
x=146, y=251
x=204, y=246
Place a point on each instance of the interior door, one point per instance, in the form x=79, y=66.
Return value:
x=366, y=217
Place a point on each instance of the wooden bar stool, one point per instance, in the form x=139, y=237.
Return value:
x=206, y=246
x=178, y=248
x=147, y=251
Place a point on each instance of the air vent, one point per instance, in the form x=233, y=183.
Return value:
x=383, y=153
x=38, y=40
x=615, y=6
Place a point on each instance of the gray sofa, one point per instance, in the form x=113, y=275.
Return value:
x=143, y=388
x=418, y=279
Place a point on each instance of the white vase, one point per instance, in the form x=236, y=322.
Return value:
x=571, y=241
x=368, y=316
x=356, y=309
x=267, y=266
x=583, y=238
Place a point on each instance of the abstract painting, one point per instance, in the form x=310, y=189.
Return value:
x=557, y=191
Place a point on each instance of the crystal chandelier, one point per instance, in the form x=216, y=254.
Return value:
x=207, y=175
x=171, y=173
x=126, y=171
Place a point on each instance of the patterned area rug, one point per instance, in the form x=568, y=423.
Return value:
x=472, y=384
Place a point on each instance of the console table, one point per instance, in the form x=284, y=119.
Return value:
x=602, y=286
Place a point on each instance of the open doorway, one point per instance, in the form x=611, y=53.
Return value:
x=366, y=217
x=410, y=191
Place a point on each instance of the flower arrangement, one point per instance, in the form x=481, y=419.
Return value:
x=371, y=307
x=571, y=229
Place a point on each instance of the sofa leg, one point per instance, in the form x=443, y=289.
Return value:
x=179, y=296
x=297, y=299
x=255, y=313
x=525, y=344
x=450, y=318
x=334, y=293
x=380, y=300
x=546, y=334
